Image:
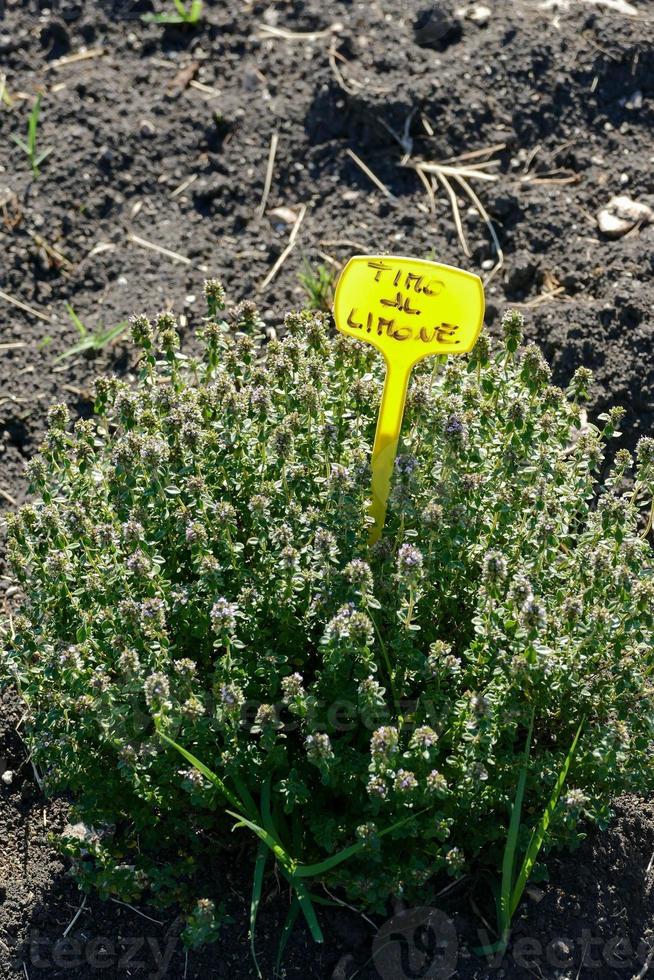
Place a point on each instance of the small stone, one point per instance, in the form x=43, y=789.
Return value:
x=7, y=777
x=635, y=101
x=147, y=128
x=480, y=14
x=622, y=214
x=560, y=948
x=487, y=264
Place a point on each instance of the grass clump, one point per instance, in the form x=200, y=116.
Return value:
x=196, y=569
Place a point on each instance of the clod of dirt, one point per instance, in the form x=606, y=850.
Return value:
x=622, y=214
x=437, y=27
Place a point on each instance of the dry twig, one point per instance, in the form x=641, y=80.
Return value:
x=368, y=172
x=284, y=255
x=24, y=306
x=274, y=139
x=159, y=248
x=72, y=59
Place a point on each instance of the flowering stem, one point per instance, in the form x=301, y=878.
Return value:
x=387, y=662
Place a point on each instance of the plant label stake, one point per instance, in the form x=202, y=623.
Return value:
x=408, y=309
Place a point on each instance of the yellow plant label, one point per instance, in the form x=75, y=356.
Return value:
x=408, y=309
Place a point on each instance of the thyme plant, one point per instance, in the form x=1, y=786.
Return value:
x=195, y=567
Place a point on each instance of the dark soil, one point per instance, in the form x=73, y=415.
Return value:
x=568, y=88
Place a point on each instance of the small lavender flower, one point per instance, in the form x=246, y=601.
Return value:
x=138, y=563
x=572, y=610
x=513, y=324
x=325, y=543
x=185, y=668
x=58, y=416
x=195, y=533
x=223, y=615
x=455, y=429
x=432, y=515
x=409, y=562
x=405, y=781
x=192, y=776
x=192, y=708
x=532, y=615
x=230, y=697
x=423, y=739
x=340, y=478
x=455, y=860
x=293, y=687
x=371, y=693
x=319, y=748
x=520, y=590
x=366, y=832
x=406, y=464
x=359, y=574
x=377, y=787
x=494, y=568
x=156, y=689
x=153, y=610
x=436, y=783
x=282, y=441
x=266, y=718
x=214, y=293
x=128, y=662
x=132, y=530
x=142, y=332
x=575, y=799
x=384, y=744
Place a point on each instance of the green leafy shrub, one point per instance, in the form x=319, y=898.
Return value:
x=197, y=561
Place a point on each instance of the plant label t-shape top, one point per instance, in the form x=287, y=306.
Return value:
x=408, y=309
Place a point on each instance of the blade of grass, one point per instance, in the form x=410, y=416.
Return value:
x=21, y=143
x=293, y=913
x=284, y=859
x=308, y=911
x=101, y=340
x=79, y=326
x=32, y=125
x=211, y=776
x=43, y=155
x=79, y=348
x=508, y=862
x=257, y=886
x=540, y=832
x=315, y=870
